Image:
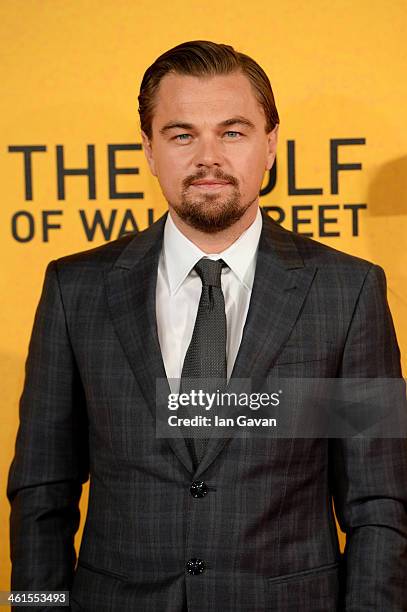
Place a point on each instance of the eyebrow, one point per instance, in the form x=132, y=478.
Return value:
x=238, y=120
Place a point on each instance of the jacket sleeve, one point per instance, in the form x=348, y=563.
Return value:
x=51, y=453
x=369, y=475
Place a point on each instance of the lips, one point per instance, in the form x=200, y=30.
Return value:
x=210, y=183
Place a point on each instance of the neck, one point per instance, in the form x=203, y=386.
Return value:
x=219, y=241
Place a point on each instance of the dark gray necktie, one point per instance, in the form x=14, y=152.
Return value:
x=206, y=354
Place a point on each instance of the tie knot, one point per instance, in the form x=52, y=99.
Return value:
x=210, y=271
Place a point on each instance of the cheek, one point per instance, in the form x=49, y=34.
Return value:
x=168, y=174
x=251, y=178
x=168, y=186
x=251, y=168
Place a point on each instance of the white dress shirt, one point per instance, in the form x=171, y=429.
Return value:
x=179, y=289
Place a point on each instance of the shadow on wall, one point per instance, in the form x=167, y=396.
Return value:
x=387, y=205
x=387, y=201
x=387, y=192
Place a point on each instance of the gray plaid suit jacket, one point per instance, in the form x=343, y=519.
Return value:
x=266, y=528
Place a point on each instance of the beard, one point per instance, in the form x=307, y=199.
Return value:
x=211, y=212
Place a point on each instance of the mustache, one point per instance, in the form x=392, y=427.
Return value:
x=220, y=176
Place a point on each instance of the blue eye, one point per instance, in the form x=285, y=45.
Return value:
x=179, y=136
x=185, y=137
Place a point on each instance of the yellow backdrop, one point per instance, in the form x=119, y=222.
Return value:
x=70, y=73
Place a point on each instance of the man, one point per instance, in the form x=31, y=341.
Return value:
x=226, y=524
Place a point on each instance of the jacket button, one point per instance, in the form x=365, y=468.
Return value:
x=195, y=566
x=198, y=489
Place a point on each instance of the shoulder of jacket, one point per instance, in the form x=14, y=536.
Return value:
x=317, y=253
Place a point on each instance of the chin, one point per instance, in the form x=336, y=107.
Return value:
x=210, y=223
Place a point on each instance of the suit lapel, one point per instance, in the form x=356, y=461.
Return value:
x=280, y=286
x=130, y=287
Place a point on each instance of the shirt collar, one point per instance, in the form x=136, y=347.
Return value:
x=181, y=255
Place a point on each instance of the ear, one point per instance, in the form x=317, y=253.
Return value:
x=272, y=147
x=148, y=151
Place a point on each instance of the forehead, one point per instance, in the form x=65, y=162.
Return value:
x=198, y=99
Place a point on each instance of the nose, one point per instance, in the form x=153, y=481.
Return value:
x=209, y=152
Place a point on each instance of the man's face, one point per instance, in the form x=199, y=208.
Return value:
x=210, y=130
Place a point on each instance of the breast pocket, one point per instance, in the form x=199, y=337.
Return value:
x=302, y=352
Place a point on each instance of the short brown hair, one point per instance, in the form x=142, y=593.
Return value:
x=204, y=58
